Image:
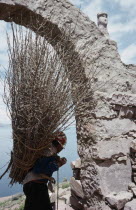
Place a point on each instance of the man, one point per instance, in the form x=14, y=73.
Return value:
x=35, y=182
x=56, y=145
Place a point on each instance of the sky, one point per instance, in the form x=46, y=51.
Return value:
x=121, y=27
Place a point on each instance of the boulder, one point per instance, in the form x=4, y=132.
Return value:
x=118, y=200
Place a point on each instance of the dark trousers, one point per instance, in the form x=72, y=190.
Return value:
x=37, y=197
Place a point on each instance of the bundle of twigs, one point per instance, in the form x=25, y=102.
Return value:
x=38, y=94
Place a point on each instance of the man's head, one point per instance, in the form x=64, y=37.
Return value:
x=102, y=19
x=59, y=141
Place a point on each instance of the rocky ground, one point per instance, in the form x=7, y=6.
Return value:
x=16, y=202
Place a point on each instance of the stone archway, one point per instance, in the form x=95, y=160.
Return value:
x=103, y=130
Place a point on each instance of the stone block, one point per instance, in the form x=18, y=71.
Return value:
x=105, y=150
x=114, y=177
x=118, y=200
x=76, y=187
x=123, y=99
x=118, y=127
x=131, y=205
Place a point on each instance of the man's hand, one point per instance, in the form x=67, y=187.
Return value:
x=62, y=161
x=51, y=186
x=53, y=180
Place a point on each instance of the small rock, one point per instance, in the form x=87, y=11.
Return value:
x=130, y=205
x=118, y=200
x=124, y=158
x=131, y=185
x=133, y=144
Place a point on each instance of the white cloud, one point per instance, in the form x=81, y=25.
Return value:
x=127, y=5
x=93, y=9
x=118, y=29
x=128, y=55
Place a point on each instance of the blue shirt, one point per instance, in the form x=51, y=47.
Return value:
x=46, y=165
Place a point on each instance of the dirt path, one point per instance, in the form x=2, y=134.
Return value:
x=15, y=201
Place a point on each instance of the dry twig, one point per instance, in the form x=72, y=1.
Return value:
x=42, y=87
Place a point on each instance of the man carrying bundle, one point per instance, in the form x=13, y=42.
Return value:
x=35, y=182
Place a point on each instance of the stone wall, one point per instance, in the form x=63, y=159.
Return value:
x=106, y=120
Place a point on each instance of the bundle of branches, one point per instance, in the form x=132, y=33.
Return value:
x=38, y=95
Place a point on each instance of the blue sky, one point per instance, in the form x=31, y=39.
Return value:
x=121, y=27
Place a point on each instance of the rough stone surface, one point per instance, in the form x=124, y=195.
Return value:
x=131, y=205
x=119, y=200
x=100, y=117
x=106, y=150
x=114, y=176
x=76, y=187
x=123, y=99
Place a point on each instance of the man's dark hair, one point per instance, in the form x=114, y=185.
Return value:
x=55, y=143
